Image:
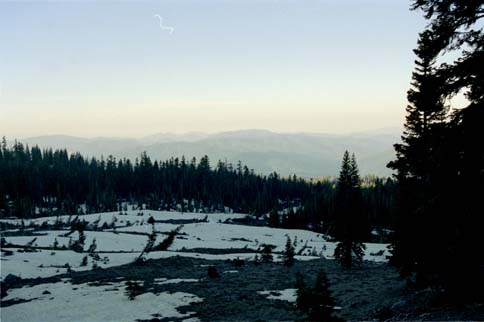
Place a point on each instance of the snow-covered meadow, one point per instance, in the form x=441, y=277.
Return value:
x=123, y=245
x=202, y=236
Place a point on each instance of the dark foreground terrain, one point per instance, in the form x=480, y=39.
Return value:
x=372, y=293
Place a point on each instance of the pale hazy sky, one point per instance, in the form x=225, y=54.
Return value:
x=108, y=69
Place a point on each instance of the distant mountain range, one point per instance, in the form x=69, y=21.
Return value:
x=304, y=154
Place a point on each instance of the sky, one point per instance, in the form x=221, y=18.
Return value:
x=89, y=68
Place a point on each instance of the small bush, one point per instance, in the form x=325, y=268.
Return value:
x=56, y=244
x=238, y=262
x=92, y=248
x=133, y=289
x=212, y=272
x=78, y=245
x=84, y=261
x=151, y=220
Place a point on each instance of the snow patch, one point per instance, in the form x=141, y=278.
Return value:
x=177, y=280
x=92, y=303
x=288, y=294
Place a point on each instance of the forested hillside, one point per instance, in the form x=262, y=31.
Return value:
x=52, y=182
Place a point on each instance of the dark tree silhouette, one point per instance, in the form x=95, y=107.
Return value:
x=133, y=289
x=266, y=256
x=273, y=218
x=437, y=235
x=417, y=157
x=212, y=272
x=289, y=252
x=316, y=302
x=350, y=221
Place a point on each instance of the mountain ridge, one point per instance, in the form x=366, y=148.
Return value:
x=300, y=153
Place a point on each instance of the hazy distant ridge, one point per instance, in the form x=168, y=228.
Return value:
x=305, y=154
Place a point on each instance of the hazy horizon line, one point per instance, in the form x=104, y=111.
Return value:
x=207, y=133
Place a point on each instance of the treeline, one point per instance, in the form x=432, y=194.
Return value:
x=31, y=177
x=37, y=182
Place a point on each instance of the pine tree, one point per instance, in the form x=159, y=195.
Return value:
x=266, y=256
x=416, y=158
x=323, y=302
x=303, y=294
x=351, y=223
x=288, y=255
x=437, y=236
x=274, y=219
x=349, y=253
x=316, y=302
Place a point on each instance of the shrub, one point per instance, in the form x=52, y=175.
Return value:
x=266, y=256
x=212, y=272
x=84, y=261
x=133, y=289
x=151, y=220
x=238, y=262
x=56, y=244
